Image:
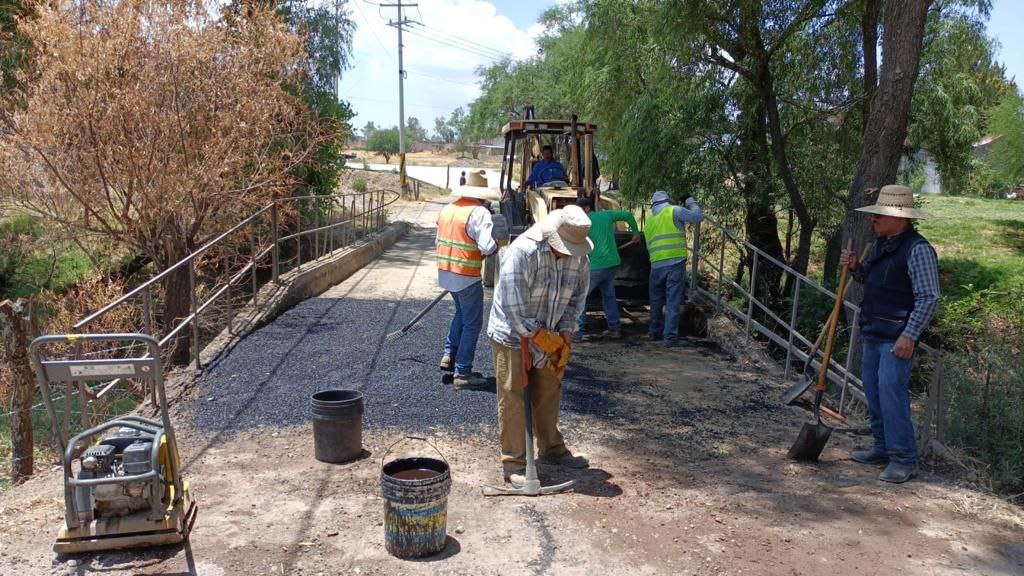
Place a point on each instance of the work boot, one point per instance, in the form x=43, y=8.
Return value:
x=611, y=334
x=897, y=472
x=446, y=363
x=471, y=381
x=673, y=344
x=873, y=455
x=516, y=476
x=567, y=460
x=654, y=337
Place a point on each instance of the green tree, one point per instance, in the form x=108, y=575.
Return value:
x=1007, y=123
x=327, y=30
x=442, y=131
x=384, y=143
x=369, y=129
x=959, y=82
x=414, y=131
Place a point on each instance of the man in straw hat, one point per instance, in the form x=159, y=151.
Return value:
x=901, y=291
x=540, y=293
x=463, y=239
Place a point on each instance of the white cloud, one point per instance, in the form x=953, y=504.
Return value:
x=441, y=57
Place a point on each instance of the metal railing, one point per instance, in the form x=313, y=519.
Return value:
x=714, y=247
x=224, y=274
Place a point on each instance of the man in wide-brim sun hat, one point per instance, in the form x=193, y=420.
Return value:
x=901, y=292
x=464, y=238
x=541, y=291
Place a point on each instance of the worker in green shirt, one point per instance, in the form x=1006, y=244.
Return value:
x=604, y=262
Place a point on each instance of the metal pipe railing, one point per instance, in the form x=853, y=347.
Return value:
x=785, y=334
x=324, y=208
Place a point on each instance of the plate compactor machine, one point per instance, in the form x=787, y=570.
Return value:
x=126, y=490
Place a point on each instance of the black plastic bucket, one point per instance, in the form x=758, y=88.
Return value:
x=337, y=425
x=415, y=494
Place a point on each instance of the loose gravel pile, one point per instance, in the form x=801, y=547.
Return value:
x=323, y=343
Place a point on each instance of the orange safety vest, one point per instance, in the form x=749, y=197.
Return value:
x=456, y=251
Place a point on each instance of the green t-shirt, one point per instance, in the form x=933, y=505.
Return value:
x=602, y=234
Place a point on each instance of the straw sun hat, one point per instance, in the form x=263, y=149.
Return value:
x=565, y=230
x=476, y=187
x=895, y=200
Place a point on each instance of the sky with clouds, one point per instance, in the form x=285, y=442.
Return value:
x=442, y=50
x=452, y=38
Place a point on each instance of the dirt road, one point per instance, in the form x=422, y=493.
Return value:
x=687, y=448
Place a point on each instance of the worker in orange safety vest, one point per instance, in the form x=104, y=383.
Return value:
x=464, y=238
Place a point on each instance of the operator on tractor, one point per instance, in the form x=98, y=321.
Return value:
x=547, y=169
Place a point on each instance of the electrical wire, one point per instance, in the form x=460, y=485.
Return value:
x=370, y=28
x=459, y=39
x=425, y=75
x=490, y=56
x=466, y=45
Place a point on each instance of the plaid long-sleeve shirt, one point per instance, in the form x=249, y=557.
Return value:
x=923, y=268
x=536, y=290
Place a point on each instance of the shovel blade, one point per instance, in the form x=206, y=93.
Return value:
x=801, y=386
x=810, y=442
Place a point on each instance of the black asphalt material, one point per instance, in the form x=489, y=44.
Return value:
x=325, y=343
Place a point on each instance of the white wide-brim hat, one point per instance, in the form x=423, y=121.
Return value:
x=895, y=200
x=478, y=192
x=565, y=230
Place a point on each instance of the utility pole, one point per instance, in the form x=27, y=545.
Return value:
x=337, y=80
x=400, y=23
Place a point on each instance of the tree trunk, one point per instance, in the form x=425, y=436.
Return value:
x=17, y=336
x=833, y=247
x=886, y=127
x=766, y=87
x=869, y=42
x=763, y=231
x=177, y=299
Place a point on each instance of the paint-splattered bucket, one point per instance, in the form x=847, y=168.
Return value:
x=415, y=504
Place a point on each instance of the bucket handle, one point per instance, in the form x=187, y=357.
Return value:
x=412, y=437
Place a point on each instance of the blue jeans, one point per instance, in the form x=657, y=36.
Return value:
x=668, y=289
x=604, y=280
x=887, y=387
x=465, y=327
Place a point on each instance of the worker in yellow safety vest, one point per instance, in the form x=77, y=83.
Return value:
x=464, y=238
x=665, y=234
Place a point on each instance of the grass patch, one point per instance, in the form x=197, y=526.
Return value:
x=981, y=263
x=31, y=261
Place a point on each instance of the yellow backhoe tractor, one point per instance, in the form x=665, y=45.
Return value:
x=126, y=490
x=521, y=205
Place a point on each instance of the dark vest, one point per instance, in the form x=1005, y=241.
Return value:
x=888, y=291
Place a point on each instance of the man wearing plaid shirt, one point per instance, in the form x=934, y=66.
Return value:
x=540, y=293
x=901, y=292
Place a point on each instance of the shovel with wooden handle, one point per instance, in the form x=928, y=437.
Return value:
x=814, y=435
x=809, y=376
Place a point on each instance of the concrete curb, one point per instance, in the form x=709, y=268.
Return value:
x=312, y=279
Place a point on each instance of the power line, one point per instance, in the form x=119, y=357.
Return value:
x=380, y=101
x=469, y=46
x=461, y=47
x=460, y=39
x=440, y=78
x=370, y=28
